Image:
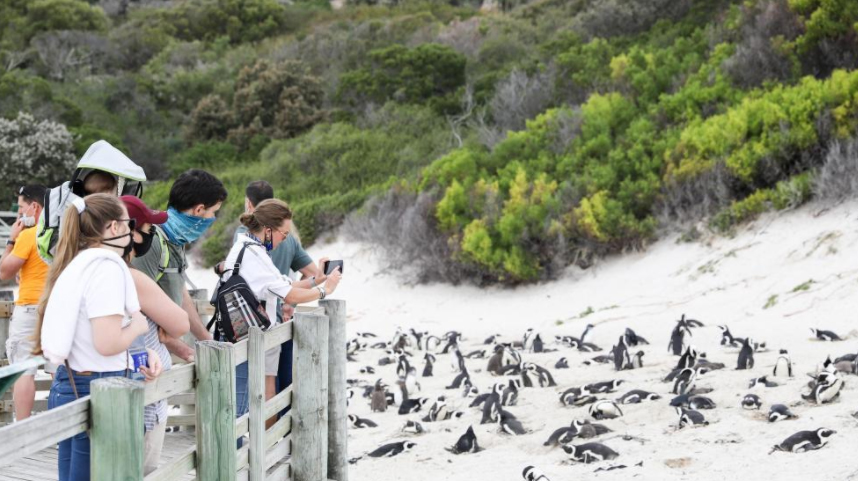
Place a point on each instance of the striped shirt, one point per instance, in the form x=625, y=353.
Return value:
x=156, y=413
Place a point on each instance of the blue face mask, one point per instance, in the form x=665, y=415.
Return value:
x=182, y=228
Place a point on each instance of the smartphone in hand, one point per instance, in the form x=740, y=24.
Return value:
x=329, y=266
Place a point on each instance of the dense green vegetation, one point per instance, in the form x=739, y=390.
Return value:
x=515, y=142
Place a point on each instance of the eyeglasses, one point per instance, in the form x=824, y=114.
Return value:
x=284, y=234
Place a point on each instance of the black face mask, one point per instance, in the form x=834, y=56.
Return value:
x=126, y=249
x=141, y=248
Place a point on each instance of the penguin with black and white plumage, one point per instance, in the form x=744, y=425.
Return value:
x=429, y=366
x=537, y=345
x=688, y=358
x=824, y=335
x=562, y=363
x=493, y=339
x=588, y=430
x=761, y=381
x=413, y=427
x=361, y=423
x=459, y=361
x=562, y=435
x=496, y=364
x=727, y=338
x=452, y=338
x=605, y=409
x=751, y=401
x=584, y=346
x=690, y=417
x=633, y=339
x=635, y=396
x=392, y=449
x=804, y=441
x=746, y=355
x=543, y=376
x=603, y=387
x=531, y=473
x=600, y=359
x=677, y=336
x=637, y=360
x=587, y=329
x=527, y=339
x=783, y=366
x=779, y=412
x=687, y=378
x=438, y=411
x=492, y=405
x=410, y=406
x=378, y=399
x=367, y=370
x=460, y=380
x=470, y=391
x=467, y=443
x=826, y=392
x=622, y=360
x=590, y=452
x=509, y=424
x=692, y=402
x=509, y=397
x=365, y=334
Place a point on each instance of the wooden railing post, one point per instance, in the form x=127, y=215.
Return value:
x=335, y=309
x=6, y=307
x=256, y=398
x=116, y=405
x=310, y=397
x=215, y=423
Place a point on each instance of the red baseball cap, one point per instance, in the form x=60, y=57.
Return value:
x=140, y=212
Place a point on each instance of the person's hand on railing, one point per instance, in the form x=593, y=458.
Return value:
x=288, y=310
x=155, y=367
x=332, y=281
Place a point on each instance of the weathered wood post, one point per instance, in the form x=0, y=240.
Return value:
x=216, y=444
x=310, y=397
x=201, y=298
x=256, y=402
x=335, y=309
x=116, y=405
x=6, y=307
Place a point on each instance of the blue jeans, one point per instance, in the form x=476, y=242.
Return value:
x=284, y=371
x=73, y=453
x=284, y=379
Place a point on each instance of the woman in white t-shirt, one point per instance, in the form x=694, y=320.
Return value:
x=89, y=313
x=267, y=226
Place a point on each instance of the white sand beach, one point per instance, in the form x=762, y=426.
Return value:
x=775, y=279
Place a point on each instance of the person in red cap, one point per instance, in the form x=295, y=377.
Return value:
x=166, y=319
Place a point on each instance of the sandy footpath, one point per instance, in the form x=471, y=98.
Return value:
x=774, y=280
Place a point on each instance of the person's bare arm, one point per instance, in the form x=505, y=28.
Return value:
x=109, y=337
x=198, y=329
x=10, y=265
x=158, y=306
x=179, y=348
x=299, y=295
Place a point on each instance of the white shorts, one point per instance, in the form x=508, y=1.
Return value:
x=22, y=328
x=272, y=361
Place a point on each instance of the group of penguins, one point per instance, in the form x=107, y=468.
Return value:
x=506, y=362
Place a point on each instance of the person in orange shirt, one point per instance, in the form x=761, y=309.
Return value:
x=21, y=258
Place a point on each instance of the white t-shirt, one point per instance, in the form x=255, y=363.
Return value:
x=260, y=273
x=104, y=294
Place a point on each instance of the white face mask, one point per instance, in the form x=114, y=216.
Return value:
x=28, y=220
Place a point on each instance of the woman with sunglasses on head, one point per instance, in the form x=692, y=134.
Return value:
x=89, y=313
x=268, y=226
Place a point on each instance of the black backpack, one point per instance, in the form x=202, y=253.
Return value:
x=236, y=307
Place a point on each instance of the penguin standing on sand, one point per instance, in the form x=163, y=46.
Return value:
x=746, y=355
x=467, y=443
x=687, y=378
x=783, y=366
x=510, y=394
x=825, y=335
x=751, y=401
x=492, y=405
x=496, y=364
x=632, y=339
x=779, y=412
x=460, y=380
x=804, y=441
x=677, y=337
x=590, y=452
x=430, y=363
x=637, y=360
x=378, y=399
x=622, y=360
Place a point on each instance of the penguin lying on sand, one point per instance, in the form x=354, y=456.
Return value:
x=635, y=396
x=360, y=422
x=562, y=435
x=780, y=412
x=603, y=387
x=590, y=452
x=392, y=449
x=605, y=409
x=692, y=402
x=751, y=401
x=761, y=381
x=412, y=427
x=825, y=335
x=467, y=443
x=531, y=473
x=509, y=424
x=562, y=363
x=690, y=417
x=804, y=441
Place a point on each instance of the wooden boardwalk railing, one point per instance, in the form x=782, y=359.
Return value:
x=316, y=421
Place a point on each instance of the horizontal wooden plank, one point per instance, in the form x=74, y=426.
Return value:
x=42, y=430
x=182, y=420
x=275, y=433
x=280, y=473
x=176, y=468
x=278, y=335
x=242, y=456
x=177, y=380
x=184, y=399
x=278, y=402
x=278, y=452
x=8, y=406
x=204, y=307
x=242, y=425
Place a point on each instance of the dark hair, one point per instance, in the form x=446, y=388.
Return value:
x=269, y=213
x=33, y=193
x=257, y=191
x=196, y=187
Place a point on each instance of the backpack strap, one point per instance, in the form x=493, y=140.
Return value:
x=165, y=256
x=241, y=256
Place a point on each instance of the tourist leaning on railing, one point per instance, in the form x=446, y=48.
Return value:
x=89, y=313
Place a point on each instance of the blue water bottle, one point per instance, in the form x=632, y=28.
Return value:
x=139, y=358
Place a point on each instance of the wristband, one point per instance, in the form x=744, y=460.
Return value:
x=313, y=281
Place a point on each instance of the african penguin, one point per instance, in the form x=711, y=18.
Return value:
x=562, y=435
x=531, y=473
x=510, y=394
x=587, y=329
x=492, y=405
x=825, y=335
x=360, y=422
x=603, y=387
x=587, y=430
x=367, y=370
x=622, y=360
x=430, y=362
x=690, y=417
x=467, y=443
x=509, y=424
x=632, y=339
x=590, y=452
x=637, y=360
x=779, y=412
x=751, y=401
x=783, y=366
x=378, y=400
x=491, y=339
x=635, y=396
x=496, y=360
x=412, y=427
x=561, y=363
x=605, y=409
x=761, y=381
x=804, y=441
x=460, y=380
x=746, y=355
x=409, y=406
x=392, y=449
